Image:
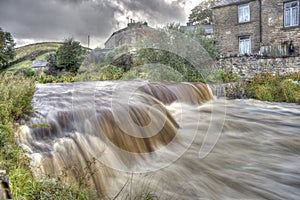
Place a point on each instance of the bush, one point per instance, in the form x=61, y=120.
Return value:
x=111, y=72
x=55, y=79
x=227, y=78
x=278, y=88
x=16, y=94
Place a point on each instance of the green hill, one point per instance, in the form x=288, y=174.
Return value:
x=26, y=54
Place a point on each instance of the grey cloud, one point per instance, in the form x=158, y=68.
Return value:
x=42, y=20
x=157, y=10
x=60, y=19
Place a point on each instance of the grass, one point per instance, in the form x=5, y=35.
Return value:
x=25, y=55
x=20, y=66
x=30, y=49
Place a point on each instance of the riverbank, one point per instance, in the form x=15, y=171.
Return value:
x=264, y=87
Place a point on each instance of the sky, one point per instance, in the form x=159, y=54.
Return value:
x=31, y=21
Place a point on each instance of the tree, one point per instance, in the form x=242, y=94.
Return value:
x=70, y=55
x=174, y=26
x=208, y=43
x=202, y=13
x=7, y=45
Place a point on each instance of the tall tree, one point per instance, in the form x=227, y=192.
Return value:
x=202, y=13
x=70, y=55
x=7, y=45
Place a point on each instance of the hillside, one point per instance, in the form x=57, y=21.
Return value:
x=26, y=54
x=38, y=51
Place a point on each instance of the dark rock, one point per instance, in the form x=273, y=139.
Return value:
x=4, y=186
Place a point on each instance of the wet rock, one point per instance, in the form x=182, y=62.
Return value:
x=4, y=186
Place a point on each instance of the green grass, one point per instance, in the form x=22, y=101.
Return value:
x=30, y=49
x=25, y=55
x=20, y=66
x=25, y=65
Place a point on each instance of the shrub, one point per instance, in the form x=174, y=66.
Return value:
x=16, y=94
x=278, y=88
x=111, y=72
x=226, y=77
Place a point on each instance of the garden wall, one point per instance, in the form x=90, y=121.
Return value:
x=247, y=67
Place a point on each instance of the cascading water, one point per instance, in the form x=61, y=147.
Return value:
x=172, y=140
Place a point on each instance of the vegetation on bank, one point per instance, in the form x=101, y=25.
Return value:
x=7, y=52
x=265, y=87
x=275, y=88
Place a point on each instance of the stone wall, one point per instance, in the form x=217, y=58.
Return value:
x=249, y=66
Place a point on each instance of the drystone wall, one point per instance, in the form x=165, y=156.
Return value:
x=247, y=67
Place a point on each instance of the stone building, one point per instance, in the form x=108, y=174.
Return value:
x=266, y=27
x=129, y=35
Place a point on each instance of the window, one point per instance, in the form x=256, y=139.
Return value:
x=244, y=13
x=291, y=14
x=245, y=45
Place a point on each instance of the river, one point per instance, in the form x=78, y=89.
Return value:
x=175, y=141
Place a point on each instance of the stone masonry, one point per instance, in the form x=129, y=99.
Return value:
x=272, y=32
x=247, y=67
x=227, y=29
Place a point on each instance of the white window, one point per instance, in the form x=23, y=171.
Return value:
x=245, y=45
x=244, y=13
x=291, y=14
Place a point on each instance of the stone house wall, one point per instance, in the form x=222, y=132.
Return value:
x=227, y=29
x=273, y=30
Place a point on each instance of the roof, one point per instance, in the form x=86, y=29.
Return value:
x=224, y=3
x=208, y=28
x=132, y=25
x=39, y=63
x=99, y=51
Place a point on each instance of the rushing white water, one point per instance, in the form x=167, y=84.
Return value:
x=137, y=137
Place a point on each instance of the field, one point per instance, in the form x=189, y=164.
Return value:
x=38, y=51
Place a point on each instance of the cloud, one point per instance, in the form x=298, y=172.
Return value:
x=159, y=11
x=60, y=19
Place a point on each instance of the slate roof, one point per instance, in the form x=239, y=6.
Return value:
x=39, y=63
x=208, y=28
x=230, y=2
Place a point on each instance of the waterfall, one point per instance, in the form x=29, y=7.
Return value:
x=107, y=134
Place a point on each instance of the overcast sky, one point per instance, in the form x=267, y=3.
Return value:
x=55, y=20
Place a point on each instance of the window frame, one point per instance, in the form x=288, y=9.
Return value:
x=290, y=15
x=243, y=6
x=245, y=37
